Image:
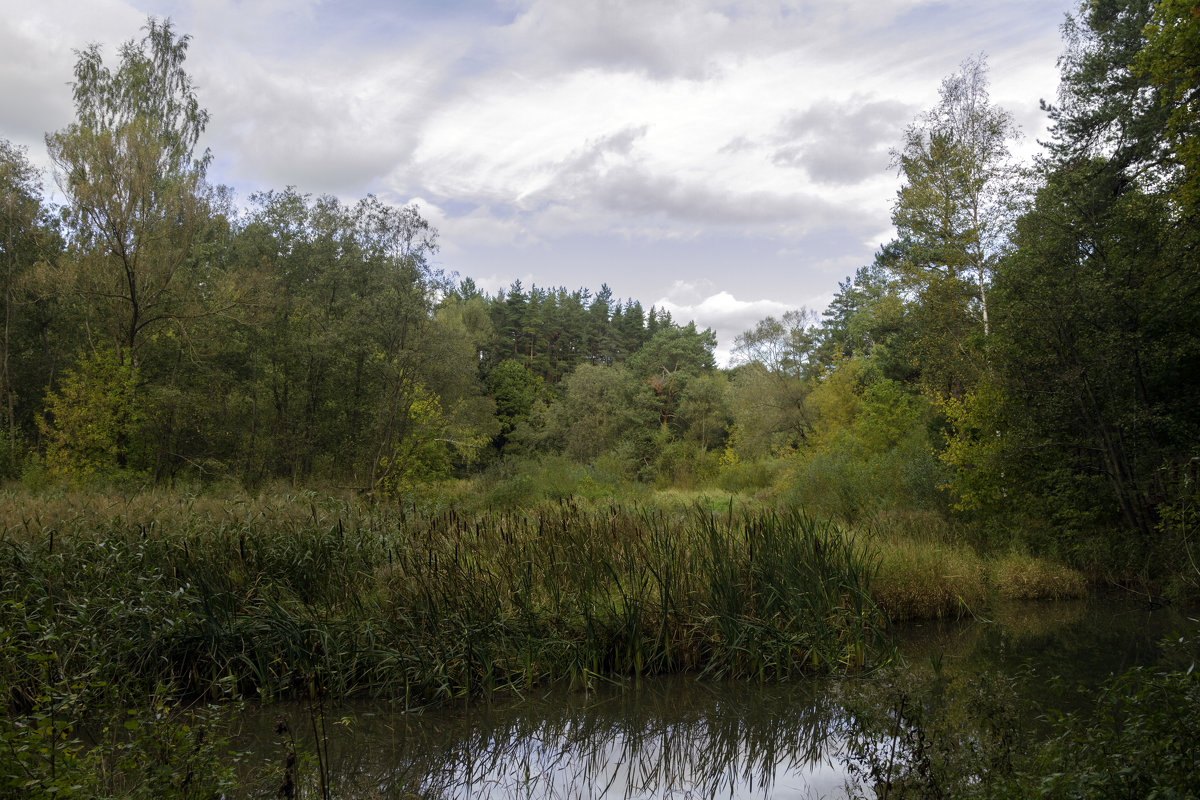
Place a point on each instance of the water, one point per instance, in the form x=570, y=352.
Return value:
x=678, y=737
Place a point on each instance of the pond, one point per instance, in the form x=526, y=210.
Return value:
x=678, y=737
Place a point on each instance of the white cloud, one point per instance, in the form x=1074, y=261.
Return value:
x=38, y=41
x=726, y=315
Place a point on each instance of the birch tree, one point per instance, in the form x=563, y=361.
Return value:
x=959, y=200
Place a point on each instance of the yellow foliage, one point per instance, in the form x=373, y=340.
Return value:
x=836, y=399
x=92, y=419
x=974, y=444
x=424, y=447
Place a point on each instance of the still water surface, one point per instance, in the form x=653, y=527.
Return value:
x=678, y=737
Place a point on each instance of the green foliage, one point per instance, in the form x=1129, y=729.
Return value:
x=553, y=331
x=1098, y=355
x=1105, y=107
x=137, y=199
x=869, y=450
x=1167, y=60
x=599, y=408
x=513, y=389
x=29, y=239
x=1019, y=576
x=310, y=341
x=921, y=578
x=973, y=449
x=1140, y=743
x=669, y=361
x=164, y=749
x=52, y=681
x=14, y=451
x=737, y=477
x=422, y=454
x=683, y=464
x=521, y=482
x=972, y=736
x=960, y=193
x=780, y=345
x=769, y=411
x=94, y=421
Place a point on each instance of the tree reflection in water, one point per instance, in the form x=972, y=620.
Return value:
x=965, y=683
x=669, y=738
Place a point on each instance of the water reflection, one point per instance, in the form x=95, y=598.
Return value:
x=667, y=738
x=677, y=737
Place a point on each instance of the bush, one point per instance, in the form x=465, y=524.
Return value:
x=745, y=477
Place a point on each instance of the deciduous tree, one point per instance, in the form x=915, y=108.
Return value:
x=135, y=186
x=958, y=203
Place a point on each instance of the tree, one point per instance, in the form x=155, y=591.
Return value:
x=784, y=346
x=1101, y=302
x=772, y=376
x=1101, y=298
x=136, y=191
x=513, y=388
x=958, y=203
x=89, y=418
x=352, y=341
x=1168, y=61
x=667, y=362
x=704, y=409
x=137, y=205
x=600, y=408
x=1105, y=108
x=27, y=237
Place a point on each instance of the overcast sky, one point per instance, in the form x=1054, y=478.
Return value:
x=726, y=160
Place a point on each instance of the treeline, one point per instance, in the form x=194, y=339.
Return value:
x=1022, y=356
x=1025, y=351
x=152, y=332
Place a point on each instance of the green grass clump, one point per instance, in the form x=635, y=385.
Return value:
x=928, y=571
x=924, y=571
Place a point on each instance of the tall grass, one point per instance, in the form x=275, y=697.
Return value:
x=300, y=595
x=927, y=570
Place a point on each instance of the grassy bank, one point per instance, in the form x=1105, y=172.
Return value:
x=927, y=570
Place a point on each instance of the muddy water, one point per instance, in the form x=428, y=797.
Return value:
x=678, y=737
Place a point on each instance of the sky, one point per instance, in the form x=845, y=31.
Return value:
x=723, y=159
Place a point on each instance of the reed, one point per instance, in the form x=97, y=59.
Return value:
x=301, y=594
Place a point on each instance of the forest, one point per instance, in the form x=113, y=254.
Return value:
x=1021, y=359
x=1007, y=399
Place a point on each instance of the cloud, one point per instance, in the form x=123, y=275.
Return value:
x=638, y=193
x=721, y=311
x=693, y=40
x=659, y=38
x=38, y=41
x=842, y=143
x=341, y=126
